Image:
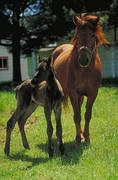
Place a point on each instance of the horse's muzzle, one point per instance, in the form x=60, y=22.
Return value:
x=84, y=59
x=33, y=82
x=84, y=62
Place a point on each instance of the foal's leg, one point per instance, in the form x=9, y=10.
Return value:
x=57, y=112
x=48, y=111
x=21, y=122
x=88, y=113
x=10, y=125
x=77, y=116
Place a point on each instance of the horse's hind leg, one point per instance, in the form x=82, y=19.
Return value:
x=21, y=124
x=32, y=107
x=10, y=125
x=59, y=129
x=48, y=111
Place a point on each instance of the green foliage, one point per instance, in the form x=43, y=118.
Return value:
x=114, y=6
x=98, y=161
x=35, y=23
x=44, y=20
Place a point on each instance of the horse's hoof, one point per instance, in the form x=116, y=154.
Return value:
x=78, y=141
x=77, y=145
x=87, y=141
x=82, y=136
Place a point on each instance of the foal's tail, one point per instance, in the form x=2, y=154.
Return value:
x=16, y=91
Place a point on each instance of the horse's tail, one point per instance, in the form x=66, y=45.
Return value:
x=65, y=103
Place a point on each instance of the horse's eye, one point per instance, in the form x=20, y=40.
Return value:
x=93, y=35
x=44, y=69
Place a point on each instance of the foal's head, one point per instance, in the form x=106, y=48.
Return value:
x=43, y=71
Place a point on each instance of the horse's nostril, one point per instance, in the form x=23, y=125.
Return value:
x=35, y=79
x=84, y=62
x=87, y=60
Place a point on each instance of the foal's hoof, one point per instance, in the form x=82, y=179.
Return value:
x=6, y=152
x=26, y=146
x=51, y=153
x=62, y=149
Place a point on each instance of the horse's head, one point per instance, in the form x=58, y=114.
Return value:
x=41, y=71
x=86, y=39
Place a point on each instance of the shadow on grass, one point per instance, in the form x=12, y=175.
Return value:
x=26, y=158
x=72, y=154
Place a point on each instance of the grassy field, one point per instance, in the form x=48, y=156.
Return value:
x=98, y=161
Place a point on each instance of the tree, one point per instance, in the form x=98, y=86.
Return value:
x=33, y=23
x=113, y=17
x=50, y=22
x=12, y=10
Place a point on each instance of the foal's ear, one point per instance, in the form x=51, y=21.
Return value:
x=38, y=58
x=49, y=60
x=76, y=20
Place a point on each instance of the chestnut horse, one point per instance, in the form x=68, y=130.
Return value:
x=79, y=69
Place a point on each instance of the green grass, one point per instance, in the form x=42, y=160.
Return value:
x=98, y=161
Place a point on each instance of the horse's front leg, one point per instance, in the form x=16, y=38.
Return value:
x=57, y=112
x=48, y=111
x=76, y=104
x=88, y=114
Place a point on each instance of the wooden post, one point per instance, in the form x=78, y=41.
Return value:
x=113, y=61
x=34, y=63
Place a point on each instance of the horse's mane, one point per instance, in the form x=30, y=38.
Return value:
x=89, y=21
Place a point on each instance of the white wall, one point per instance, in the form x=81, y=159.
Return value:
x=24, y=68
x=106, y=56
x=7, y=75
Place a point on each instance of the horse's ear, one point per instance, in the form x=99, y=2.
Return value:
x=83, y=15
x=38, y=58
x=76, y=20
x=97, y=19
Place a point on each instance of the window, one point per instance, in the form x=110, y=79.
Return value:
x=3, y=63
